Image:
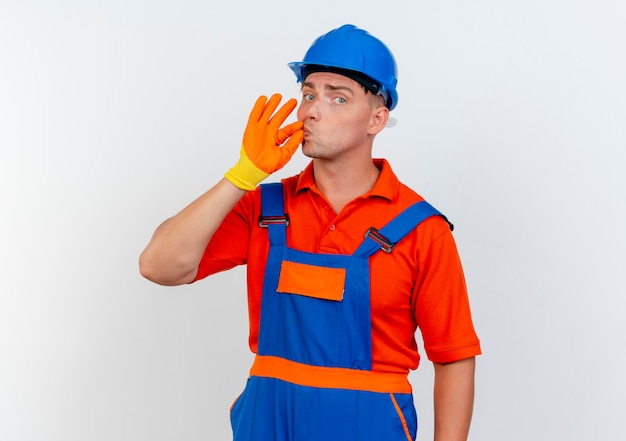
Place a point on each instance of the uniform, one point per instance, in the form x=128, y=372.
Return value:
x=333, y=313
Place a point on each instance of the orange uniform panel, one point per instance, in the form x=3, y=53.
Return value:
x=311, y=281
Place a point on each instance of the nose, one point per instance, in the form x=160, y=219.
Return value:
x=309, y=110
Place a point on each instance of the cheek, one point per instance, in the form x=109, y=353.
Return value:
x=300, y=114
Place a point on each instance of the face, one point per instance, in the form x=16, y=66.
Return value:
x=340, y=117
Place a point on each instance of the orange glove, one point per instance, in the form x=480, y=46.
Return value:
x=262, y=151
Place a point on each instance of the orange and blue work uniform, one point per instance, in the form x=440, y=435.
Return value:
x=333, y=316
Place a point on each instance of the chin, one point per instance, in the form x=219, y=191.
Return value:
x=314, y=150
x=308, y=150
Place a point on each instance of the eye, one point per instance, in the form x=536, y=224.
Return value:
x=339, y=100
x=308, y=97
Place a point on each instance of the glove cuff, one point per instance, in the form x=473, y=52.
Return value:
x=244, y=174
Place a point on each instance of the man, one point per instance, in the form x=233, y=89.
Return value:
x=343, y=261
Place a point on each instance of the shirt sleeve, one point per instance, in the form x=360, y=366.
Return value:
x=442, y=308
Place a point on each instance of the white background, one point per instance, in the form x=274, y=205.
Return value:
x=116, y=114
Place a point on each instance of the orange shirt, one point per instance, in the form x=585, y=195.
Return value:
x=419, y=284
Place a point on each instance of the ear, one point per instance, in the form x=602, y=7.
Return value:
x=380, y=115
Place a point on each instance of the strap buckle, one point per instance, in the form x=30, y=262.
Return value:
x=264, y=221
x=385, y=245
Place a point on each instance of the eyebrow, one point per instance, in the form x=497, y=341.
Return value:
x=328, y=86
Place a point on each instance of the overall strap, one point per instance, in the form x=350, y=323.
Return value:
x=387, y=237
x=273, y=216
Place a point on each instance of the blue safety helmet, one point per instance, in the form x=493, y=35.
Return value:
x=355, y=53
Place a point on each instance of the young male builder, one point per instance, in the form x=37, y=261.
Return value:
x=344, y=263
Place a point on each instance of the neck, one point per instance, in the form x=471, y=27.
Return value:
x=342, y=183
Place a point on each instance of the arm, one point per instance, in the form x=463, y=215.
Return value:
x=454, y=399
x=174, y=252
x=178, y=244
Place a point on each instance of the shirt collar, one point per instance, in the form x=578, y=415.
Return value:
x=387, y=185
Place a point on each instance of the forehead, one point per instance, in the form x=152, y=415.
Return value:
x=321, y=80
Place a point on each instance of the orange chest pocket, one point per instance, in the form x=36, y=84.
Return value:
x=312, y=281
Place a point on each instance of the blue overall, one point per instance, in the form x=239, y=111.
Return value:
x=318, y=332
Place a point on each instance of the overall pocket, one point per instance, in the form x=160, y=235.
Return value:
x=312, y=281
x=311, y=312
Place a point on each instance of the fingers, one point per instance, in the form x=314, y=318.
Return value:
x=290, y=147
x=293, y=135
x=287, y=131
x=283, y=113
x=264, y=108
x=264, y=127
x=257, y=110
x=271, y=106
